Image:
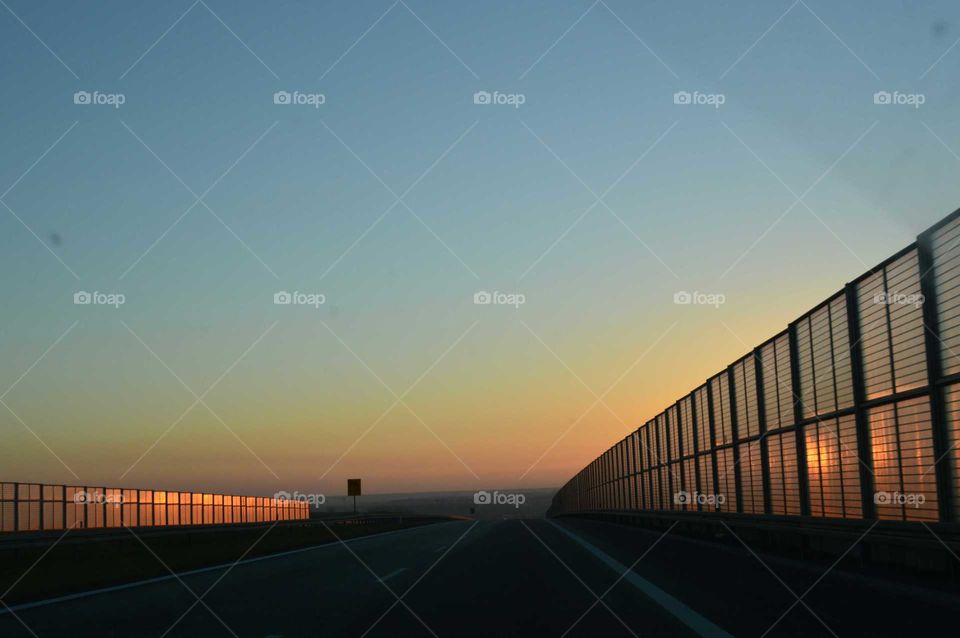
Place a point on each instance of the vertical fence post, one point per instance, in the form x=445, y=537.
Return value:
x=641, y=478
x=734, y=438
x=615, y=459
x=615, y=476
x=625, y=473
x=602, y=477
x=16, y=507
x=667, y=451
x=663, y=468
x=612, y=477
x=804, y=492
x=938, y=416
x=695, y=444
x=893, y=387
x=682, y=447
x=713, y=442
x=635, y=442
x=859, y=396
x=762, y=426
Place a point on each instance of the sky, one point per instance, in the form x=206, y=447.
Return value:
x=587, y=188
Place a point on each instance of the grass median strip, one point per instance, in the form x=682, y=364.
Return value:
x=84, y=563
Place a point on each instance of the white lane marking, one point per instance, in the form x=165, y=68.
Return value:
x=393, y=573
x=439, y=549
x=677, y=608
x=105, y=590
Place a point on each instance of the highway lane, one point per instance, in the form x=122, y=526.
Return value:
x=499, y=578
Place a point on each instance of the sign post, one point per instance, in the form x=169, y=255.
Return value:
x=353, y=489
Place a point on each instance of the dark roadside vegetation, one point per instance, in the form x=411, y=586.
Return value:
x=35, y=567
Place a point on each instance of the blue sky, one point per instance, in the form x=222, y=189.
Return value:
x=498, y=203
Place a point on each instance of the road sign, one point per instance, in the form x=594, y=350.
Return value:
x=353, y=487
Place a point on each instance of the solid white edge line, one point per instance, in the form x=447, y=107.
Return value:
x=158, y=579
x=698, y=623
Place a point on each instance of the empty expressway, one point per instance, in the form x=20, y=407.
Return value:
x=500, y=578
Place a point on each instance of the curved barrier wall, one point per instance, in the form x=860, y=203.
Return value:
x=851, y=412
x=26, y=507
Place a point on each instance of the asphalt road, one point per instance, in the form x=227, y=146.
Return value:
x=502, y=578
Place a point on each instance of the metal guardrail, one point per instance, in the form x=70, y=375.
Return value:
x=27, y=507
x=852, y=412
